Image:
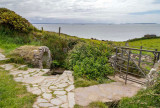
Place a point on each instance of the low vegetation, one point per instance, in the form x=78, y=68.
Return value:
x=90, y=61
x=93, y=105
x=149, y=98
x=11, y=19
x=11, y=99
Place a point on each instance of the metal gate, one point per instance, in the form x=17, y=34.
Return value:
x=134, y=64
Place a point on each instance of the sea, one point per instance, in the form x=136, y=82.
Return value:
x=111, y=32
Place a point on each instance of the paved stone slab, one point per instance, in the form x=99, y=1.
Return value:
x=56, y=101
x=71, y=99
x=45, y=105
x=60, y=92
x=104, y=92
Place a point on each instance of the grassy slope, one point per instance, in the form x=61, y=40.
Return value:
x=13, y=94
x=148, y=43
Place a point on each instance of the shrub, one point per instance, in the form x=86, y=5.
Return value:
x=89, y=61
x=16, y=22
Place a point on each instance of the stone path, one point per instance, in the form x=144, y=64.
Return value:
x=105, y=92
x=58, y=90
x=53, y=91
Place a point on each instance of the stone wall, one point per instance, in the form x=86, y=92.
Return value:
x=153, y=74
x=38, y=56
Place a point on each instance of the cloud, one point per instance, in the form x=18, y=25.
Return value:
x=147, y=12
x=105, y=11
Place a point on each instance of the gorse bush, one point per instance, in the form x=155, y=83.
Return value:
x=89, y=61
x=14, y=21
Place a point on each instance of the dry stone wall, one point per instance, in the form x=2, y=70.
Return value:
x=38, y=56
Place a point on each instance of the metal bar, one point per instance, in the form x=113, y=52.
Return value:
x=122, y=57
x=115, y=62
x=155, y=57
x=158, y=56
x=123, y=66
x=127, y=66
x=138, y=67
x=131, y=73
x=133, y=80
x=140, y=54
x=123, y=71
x=139, y=49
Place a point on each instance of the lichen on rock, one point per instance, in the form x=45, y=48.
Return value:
x=38, y=56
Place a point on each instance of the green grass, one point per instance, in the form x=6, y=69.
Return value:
x=13, y=94
x=149, y=98
x=81, y=82
x=93, y=105
x=23, y=68
x=150, y=44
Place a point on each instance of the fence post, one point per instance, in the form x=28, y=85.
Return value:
x=122, y=60
x=140, y=55
x=127, y=66
x=42, y=29
x=59, y=31
x=158, y=56
x=155, y=56
x=115, y=62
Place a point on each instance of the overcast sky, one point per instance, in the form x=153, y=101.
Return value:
x=86, y=11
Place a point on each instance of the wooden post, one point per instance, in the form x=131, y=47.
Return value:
x=122, y=60
x=155, y=56
x=127, y=66
x=42, y=29
x=115, y=62
x=59, y=31
x=158, y=56
x=140, y=55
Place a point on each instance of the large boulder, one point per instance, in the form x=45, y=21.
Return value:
x=38, y=56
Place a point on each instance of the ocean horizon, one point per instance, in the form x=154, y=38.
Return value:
x=111, y=32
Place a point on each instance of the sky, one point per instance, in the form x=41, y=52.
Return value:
x=86, y=11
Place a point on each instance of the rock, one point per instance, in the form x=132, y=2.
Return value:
x=34, y=80
x=8, y=66
x=62, y=85
x=71, y=99
x=40, y=100
x=47, y=96
x=38, y=56
x=56, y=102
x=52, y=87
x=64, y=105
x=63, y=98
x=153, y=74
x=70, y=88
x=60, y=92
x=45, y=105
x=37, y=92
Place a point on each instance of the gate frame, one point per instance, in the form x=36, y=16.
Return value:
x=129, y=49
